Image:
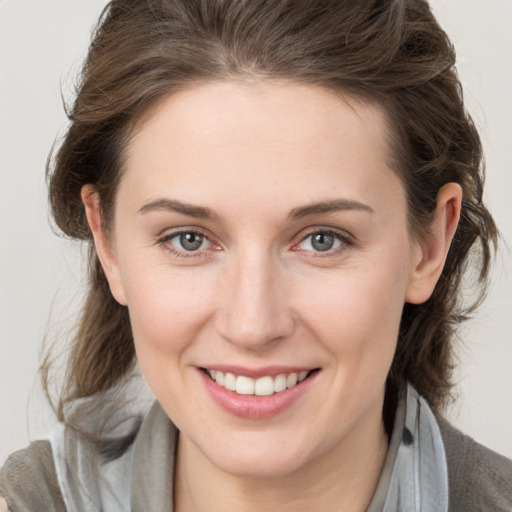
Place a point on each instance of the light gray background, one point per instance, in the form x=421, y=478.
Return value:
x=41, y=47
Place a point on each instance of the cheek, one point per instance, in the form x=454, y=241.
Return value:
x=167, y=312
x=356, y=313
x=167, y=308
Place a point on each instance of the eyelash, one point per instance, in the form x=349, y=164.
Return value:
x=344, y=242
x=165, y=243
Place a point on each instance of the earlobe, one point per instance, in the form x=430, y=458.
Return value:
x=102, y=242
x=429, y=255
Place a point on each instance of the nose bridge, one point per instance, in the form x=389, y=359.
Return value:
x=256, y=312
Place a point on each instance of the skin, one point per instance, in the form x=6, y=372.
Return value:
x=257, y=293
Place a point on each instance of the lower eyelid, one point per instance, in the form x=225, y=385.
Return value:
x=168, y=247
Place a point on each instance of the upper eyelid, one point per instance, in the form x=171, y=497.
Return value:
x=342, y=234
x=182, y=229
x=168, y=235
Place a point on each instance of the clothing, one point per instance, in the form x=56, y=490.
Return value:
x=428, y=464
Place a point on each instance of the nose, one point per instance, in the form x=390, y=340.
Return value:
x=255, y=313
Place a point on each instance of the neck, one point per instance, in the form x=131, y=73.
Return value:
x=342, y=479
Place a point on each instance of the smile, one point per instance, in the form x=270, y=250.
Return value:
x=257, y=394
x=262, y=386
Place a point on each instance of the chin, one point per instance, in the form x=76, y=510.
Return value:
x=258, y=467
x=259, y=457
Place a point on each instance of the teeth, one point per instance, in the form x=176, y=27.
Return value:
x=230, y=382
x=291, y=380
x=219, y=378
x=264, y=386
x=302, y=376
x=280, y=383
x=244, y=385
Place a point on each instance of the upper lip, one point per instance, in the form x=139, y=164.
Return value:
x=255, y=373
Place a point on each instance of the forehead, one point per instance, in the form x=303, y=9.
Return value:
x=264, y=140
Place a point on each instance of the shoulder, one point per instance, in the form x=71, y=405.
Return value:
x=479, y=479
x=28, y=480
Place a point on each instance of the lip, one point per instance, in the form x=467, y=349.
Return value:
x=252, y=406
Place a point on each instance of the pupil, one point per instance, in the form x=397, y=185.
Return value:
x=191, y=241
x=322, y=242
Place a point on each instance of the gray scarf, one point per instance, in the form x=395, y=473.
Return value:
x=414, y=477
x=415, y=473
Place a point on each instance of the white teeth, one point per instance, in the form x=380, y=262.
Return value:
x=230, y=382
x=264, y=386
x=291, y=380
x=280, y=383
x=219, y=378
x=244, y=385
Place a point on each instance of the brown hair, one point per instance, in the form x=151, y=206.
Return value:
x=392, y=52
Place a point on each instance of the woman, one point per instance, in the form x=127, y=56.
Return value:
x=281, y=198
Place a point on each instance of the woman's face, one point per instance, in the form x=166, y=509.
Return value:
x=260, y=233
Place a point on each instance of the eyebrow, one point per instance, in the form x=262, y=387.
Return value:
x=329, y=206
x=200, y=212
x=172, y=205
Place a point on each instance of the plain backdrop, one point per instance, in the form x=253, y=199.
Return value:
x=42, y=44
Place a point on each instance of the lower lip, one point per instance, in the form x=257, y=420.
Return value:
x=252, y=406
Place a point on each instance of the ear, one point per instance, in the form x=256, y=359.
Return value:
x=103, y=242
x=429, y=254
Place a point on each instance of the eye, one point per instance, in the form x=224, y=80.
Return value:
x=322, y=242
x=186, y=243
x=189, y=241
